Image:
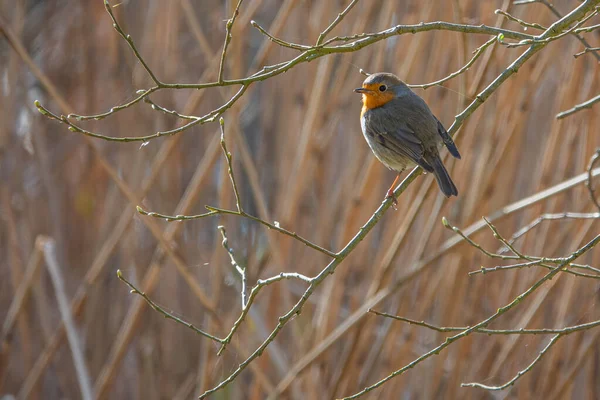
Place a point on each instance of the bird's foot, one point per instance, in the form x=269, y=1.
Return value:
x=390, y=195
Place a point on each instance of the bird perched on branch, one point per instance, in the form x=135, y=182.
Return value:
x=402, y=131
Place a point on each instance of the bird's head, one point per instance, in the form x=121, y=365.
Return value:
x=379, y=89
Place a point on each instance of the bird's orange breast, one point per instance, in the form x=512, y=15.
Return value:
x=376, y=99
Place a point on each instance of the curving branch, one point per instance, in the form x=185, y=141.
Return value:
x=239, y=269
x=228, y=159
x=228, y=28
x=444, y=329
x=550, y=217
x=585, y=105
x=129, y=41
x=519, y=374
x=517, y=255
x=335, y=22
x=165, y=313
x=524, y=24
x=586, y=50
x=216, y=211
x=551, y=38
x=476, y=54
x=557, y=14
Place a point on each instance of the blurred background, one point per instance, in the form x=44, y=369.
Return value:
x=300, y=159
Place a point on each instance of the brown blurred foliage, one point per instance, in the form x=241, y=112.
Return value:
x=301, y=160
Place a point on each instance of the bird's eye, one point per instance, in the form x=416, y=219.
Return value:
x=382, y=88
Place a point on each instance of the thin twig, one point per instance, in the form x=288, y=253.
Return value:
x=210, y=117
x=531, y=260
x=520, y=21
x=217, y=211
x=156, y=107
x=240, y=270
x=522, y=331
x=261, y=283
x=543, y=262
x=141, y=95
x=548, y=217
x=552, y=38
x=475, y=244
x=586, y=104
x=477, y=53
x=335, y=22
x=559, y=16
x=520, y=373
x=129, y=41
x=587, y=29
x=166, y=314
x=229, y=165
x=505, y=242
x=228, y=28
x=586, y=50
x=280, y=42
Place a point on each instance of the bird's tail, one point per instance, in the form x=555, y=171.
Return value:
x=442, y=177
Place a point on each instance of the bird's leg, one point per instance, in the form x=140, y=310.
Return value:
x=390, y=192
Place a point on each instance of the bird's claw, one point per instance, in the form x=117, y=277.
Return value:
x=390, y=195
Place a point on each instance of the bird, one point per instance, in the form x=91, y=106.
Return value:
x=402, y=131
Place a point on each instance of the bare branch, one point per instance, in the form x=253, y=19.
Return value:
x=229, y=166
x=217, y=211
x=335, y=22
x=239, y=269
x=129, y=41
x=558, y=15
x=261, y=283
x=141, y=94
x=586, y=104
x=520, y=373
x=549, y=217
x=586, y=50
x=156, y=107
x=477, y=53
x=531, y=260
x=522, y=331
x=587, y=29
x=551, y=38
x=210, y=117
x=520, y=21
x=474, y=244
x=228, y=28
x=280, y=42
x=165, y=313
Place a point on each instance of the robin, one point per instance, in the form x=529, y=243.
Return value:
x=402, y=131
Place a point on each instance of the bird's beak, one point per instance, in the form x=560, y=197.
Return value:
x=362, y=90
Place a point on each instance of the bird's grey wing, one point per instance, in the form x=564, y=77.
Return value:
x=447, y=139
x=401, y=138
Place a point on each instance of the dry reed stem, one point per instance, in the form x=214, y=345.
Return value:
x=83, y=375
